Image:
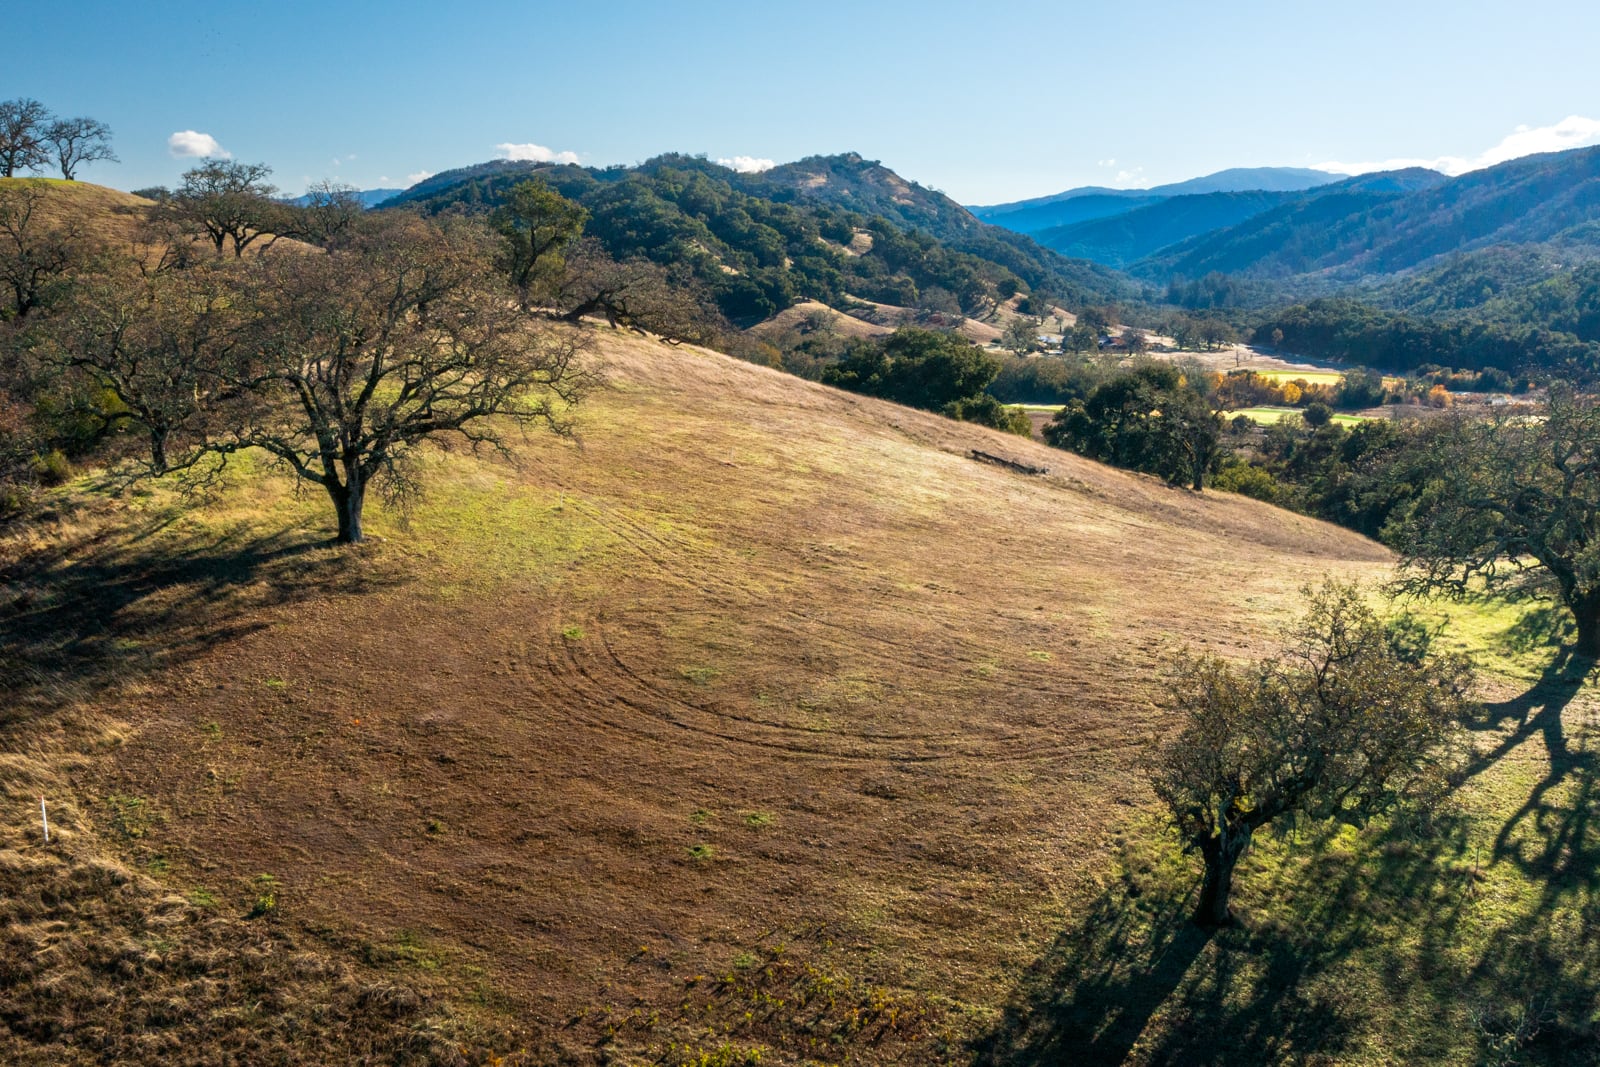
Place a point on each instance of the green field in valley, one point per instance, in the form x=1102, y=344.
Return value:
x=1310, y=377
x=1266, y=416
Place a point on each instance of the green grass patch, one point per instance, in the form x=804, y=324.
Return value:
x=1310, y=377
x=1464, y=935
x=1266, y=416
x=700, y=675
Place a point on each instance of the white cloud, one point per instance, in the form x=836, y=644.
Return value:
x=747, y=164
x=535, y=153
x=1105, y=163
x=1574, y=131
x=190, y=144
x=415, y=177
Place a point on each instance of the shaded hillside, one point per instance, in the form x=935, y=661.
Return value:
x=1367, y=227
x=1037, y=219
x=1132, y=235
x=1092, y=201
x=761, y=243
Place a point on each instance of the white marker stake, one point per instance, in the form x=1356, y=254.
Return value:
x=44, y=817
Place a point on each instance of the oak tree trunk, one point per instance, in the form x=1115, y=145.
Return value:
x=348, y=500
x=158, y=451
x=1221, y=855
x=1586, y=612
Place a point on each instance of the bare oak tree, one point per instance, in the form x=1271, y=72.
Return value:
x=230, y=203
x=38, y=254
x=75, y=142
x=330, y=211
x=1345, y=723
x=633, y=293
x=363, y=353
x=22, y=126
x=163, y=345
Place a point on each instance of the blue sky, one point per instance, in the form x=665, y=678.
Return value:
x=986, y=102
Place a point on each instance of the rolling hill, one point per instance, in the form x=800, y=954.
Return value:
x=762, y=723
x=108, y=214
x=764, y=690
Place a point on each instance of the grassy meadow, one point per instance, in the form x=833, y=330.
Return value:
x=757, y=724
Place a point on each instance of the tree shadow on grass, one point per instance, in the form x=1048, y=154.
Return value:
x=79, y=613
x=1136, y=981
x=1549, y=836
x=1543, y=965
x=1388, y=940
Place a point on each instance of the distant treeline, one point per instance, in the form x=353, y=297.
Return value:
x=1347, y=331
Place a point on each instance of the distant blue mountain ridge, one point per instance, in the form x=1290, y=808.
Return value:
x=369, y=197
x=1095, y=201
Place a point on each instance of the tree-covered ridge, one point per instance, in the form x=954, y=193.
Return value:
x=1121, y=239
x=1384, y=224
x=760, y=243
x=1349, y=331
x=1539, y=285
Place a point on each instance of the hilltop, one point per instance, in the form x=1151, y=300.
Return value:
x=108, y=213
x=762, y=242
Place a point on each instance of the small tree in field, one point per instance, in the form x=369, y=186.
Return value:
x=1346, y=722
x=1020, y=336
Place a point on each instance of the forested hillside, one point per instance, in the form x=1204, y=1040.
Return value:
x=1301, y=236
x=1121, y=239
x=1384, y=224
x=826, y=228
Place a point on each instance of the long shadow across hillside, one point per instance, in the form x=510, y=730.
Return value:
x=80, y=613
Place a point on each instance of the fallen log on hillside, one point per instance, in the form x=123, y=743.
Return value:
x=1001, y=461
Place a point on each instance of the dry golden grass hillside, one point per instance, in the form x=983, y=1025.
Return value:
x=109, y=214
x=760, y=717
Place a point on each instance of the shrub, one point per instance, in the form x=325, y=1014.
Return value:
x=52, y=468
x=1247, y=480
